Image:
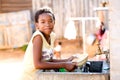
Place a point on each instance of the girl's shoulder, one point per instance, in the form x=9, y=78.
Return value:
x=37, y=33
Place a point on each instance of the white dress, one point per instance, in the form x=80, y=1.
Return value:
x=29, y=71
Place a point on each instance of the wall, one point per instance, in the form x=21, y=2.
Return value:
x=13, y=12
x=15, y=5
x=64, y=9
x=114, y=25
x=15, y=29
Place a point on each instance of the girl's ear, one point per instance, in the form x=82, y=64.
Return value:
x=36, y=26
x=54, y=22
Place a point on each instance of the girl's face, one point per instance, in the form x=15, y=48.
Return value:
x=45, y=23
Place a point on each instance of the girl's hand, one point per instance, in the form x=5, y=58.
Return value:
x=69, y=66
x=71, y=58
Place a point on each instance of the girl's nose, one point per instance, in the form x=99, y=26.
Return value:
x=47, y=24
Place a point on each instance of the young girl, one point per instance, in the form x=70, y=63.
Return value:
x=39, y=53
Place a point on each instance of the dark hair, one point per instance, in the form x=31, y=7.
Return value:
x=43, y=10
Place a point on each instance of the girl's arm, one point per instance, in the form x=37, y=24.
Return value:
x=64, y=60
x=37, y=58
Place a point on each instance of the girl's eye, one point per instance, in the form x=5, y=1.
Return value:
x=50, y=21
x=42, y=22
